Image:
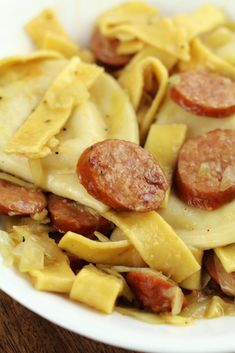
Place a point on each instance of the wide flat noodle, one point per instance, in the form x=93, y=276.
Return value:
x=167, y=60
x=108, y=110
x=202, y=57
x=96, y=288
x=164, y=142
x=108, y=252
x=201, y=228
x=222, y=42
x=69, y=89
x=57, y=277
x=47, y=33
x=194, y=281
x=55, y=42
x=130, y=47
x=157, y=243
x=45, y=22
x=138, y=21
x=146, y=83
x=131, y=12
x=206, y=18
x=226, y=256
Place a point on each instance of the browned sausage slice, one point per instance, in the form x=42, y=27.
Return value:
x=17, y=200
x=152, y=292
x=67, y=215
x=122, y=175
x=105, y=50
x=205, y=93
x=205, y=176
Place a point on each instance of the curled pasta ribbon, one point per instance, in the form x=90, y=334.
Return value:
x=202, y=56
x=135, y=23
x=108, y=252
x=146, y=83
x=222, y=42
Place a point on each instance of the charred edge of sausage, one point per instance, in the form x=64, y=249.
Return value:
x=199, y=199
x=199, y=109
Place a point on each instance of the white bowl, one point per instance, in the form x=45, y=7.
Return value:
x=203, y=336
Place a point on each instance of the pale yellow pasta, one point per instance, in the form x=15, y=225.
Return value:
x=222, y=42
x=202, y=56
x=55, y=104
x=108, y=252
x=131, y=12
x=108, y=110
x=164, y=143
x=226, y=256
x=45, y=22
x=70, y=89
x=194, y=281
x=206, y=18
x=157, y=243
x=145, y=82
x=96, y=289
x=166, y=59
x=52, y=41
x=56, y=277
x=201, y=228
x=132, y=21
x=130, y=47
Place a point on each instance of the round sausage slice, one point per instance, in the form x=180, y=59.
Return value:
x=122, y=175
x=152, y=292
x=205, y=175
x=67, y=215
x=205, y=93
x=105, y=51
x=18, y=200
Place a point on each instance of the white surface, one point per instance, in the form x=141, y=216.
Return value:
x=204, y=336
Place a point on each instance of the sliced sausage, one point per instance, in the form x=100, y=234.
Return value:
x=105, y=50
x=152, y=292
x=67, y=215
x=205, y=93
x=122, y=175
x=18, y=200
x=225, y=280
x=205, y=175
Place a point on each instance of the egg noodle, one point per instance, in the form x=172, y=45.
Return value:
x=56, y=102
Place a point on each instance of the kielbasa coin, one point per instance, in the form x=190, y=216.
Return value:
x=152, y=292
x=122, y=175
x=205, y=175
x=67, y=215
x=105, y=50
x=206, y=93
x=18, y=200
